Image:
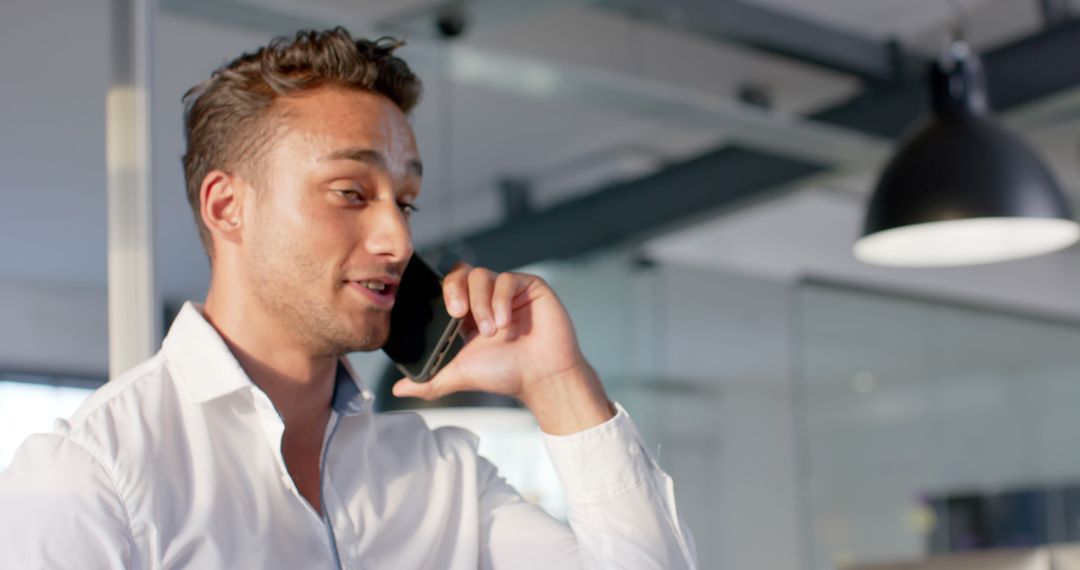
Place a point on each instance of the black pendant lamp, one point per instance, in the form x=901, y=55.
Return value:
x=962, y=190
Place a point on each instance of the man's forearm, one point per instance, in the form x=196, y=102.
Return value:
x=570, y=402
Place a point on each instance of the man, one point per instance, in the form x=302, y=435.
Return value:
x=247, y=442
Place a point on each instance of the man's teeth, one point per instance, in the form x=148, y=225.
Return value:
x=374, y=285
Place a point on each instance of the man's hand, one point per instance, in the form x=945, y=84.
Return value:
x=519, y=342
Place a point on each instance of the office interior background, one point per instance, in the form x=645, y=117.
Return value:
x=690, y=176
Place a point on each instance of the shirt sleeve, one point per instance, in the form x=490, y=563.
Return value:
x=59, y=509
x=621, y=509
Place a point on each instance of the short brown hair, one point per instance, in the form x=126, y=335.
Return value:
x=228, y=119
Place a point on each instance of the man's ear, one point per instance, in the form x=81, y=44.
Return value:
x=221, y=200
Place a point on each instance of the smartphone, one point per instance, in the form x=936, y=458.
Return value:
x=423, y=336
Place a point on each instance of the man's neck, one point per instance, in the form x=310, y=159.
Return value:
x=300, y=385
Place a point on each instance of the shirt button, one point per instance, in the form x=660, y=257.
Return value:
x=633, y=449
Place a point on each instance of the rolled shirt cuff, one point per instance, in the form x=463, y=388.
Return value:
x=602, y=461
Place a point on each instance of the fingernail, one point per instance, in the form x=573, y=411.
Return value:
x=486, y=329
x=500, y=320
x=456, y=307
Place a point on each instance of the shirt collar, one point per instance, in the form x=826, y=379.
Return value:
x=350, y=395
x=208, y=370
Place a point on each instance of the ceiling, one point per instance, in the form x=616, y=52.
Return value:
x=570, y=96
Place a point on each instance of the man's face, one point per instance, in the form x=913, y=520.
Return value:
x=326, y=228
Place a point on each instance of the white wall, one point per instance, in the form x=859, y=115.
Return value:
x=53, y=328
x=54, y=57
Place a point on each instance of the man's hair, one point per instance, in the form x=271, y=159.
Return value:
x=228, y=119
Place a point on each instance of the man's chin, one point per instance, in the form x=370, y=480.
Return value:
x=367, y=344
x=369, y=337
x=359, y=331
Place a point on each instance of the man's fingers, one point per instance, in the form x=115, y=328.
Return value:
x=502, y=299
x=406, y=388
x=481, y=287
x=455, y=290
x=485, y=296
x=445, y=382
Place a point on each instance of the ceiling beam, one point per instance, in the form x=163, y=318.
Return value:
x=634, y=209
x=1017, y=75
x=781, y=33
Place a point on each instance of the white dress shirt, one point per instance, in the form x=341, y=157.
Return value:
x=178, y=464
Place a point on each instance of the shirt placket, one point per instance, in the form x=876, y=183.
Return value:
x=273, y=427
x=334, y=508
x=324, y=483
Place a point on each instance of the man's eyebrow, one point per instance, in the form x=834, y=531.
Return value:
x=373, y=158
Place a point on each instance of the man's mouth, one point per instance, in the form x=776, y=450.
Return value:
x=380, y=292
x=377, y=286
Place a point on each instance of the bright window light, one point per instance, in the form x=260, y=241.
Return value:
x=27, y=408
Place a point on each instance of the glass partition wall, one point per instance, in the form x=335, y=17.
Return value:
x=812, y=425
x=931, y=427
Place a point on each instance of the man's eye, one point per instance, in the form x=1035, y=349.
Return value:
x=407, y=208
x=351, y=195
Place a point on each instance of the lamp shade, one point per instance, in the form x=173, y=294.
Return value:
x=962, y=190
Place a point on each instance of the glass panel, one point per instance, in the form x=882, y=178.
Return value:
x=925, y=421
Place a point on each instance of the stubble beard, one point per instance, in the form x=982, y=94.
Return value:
x=321, y=328
x=289, y=293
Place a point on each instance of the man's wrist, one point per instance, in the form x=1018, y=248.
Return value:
x=569, y=402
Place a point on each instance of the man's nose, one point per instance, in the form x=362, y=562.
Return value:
x=389, y=235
